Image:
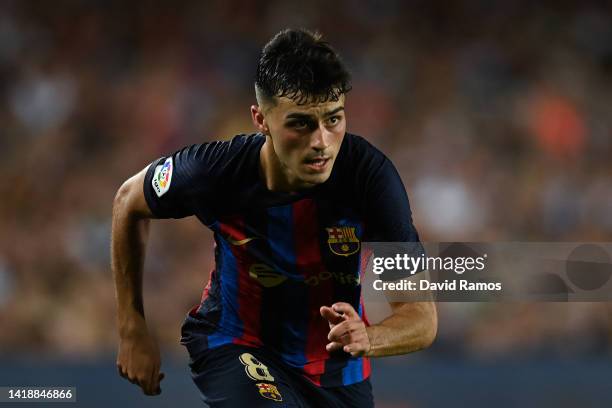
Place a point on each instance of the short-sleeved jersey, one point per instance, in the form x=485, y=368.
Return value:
x=280, y=256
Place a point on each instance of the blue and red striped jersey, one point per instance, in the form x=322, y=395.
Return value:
x=280, y=256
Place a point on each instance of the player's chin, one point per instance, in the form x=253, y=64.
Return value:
x=315, y=177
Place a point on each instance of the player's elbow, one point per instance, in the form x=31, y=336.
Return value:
x=121, y=203
x=430, y=330
x=129, y=199
x=427, y=324
x=422, y=317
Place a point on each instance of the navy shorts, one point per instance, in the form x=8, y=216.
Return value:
x=238, y=376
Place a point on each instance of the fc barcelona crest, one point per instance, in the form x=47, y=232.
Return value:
x=342, y=240
x=269, y=391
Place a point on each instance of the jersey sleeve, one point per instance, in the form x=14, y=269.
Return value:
x=387, y=209
x=181, y=184
x=388, y=215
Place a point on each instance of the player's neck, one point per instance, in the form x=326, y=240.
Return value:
x=274, y=174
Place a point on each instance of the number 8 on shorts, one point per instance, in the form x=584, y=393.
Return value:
x=255, y=369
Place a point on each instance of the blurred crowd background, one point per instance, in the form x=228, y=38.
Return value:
x=498, y=115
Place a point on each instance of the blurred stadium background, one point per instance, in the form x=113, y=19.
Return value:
x=496, y=113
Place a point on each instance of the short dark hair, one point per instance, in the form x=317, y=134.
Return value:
x=299, y=65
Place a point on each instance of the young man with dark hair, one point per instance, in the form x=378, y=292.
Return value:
x=281, y=322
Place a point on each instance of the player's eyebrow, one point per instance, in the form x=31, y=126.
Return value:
x=299, y=115
x=331, y=112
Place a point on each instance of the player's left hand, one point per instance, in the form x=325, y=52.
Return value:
x=347, y=330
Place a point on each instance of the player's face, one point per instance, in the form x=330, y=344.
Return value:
x=306, y=138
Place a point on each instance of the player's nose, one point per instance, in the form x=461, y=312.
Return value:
x=320, y=137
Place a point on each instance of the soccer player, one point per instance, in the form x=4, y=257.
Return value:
x=281, y=321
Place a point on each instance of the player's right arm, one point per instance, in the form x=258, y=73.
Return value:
x=138, y=358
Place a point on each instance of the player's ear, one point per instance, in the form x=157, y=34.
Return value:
x=259, y=120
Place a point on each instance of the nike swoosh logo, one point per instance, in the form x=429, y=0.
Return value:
x=240, y=242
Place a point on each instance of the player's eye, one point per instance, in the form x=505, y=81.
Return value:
x=334, y=120
x=299, y=124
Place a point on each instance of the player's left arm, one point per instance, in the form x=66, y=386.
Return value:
x=412, y=326
x=413, y=323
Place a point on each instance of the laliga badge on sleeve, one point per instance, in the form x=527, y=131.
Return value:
x=162, y=177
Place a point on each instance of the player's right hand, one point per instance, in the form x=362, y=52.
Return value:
x=139, y=361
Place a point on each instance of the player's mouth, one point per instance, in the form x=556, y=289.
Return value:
x=317, y=164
